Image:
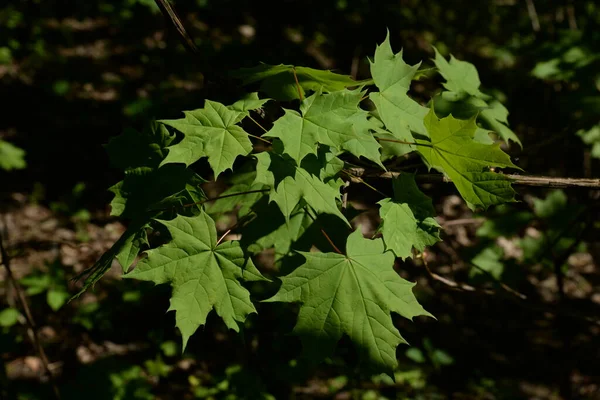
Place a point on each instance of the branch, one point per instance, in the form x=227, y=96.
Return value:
x=32, y=329
x=171, y=16
x=522, y=180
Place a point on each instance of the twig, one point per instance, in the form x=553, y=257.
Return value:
x=171, y=15
x=360, y=180
x=32, y=329
x=523, y=302
x=533, y=16
x=523, y=180
x=571, y=15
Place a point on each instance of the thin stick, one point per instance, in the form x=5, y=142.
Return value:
x=360, y=180
x=259, y=138
x=523, y=180
x=259, y=125
x=170, y=15
x=27, y=311
x=297, y=84
x=533, y=16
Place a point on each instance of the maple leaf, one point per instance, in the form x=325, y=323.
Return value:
x=210, y=132
x=352, y=295
x=408, y=218
x=462, y=80
x=11, y=156
x=203, y=275
x=249, y=102
x=289, y=184
x=393, y=77
x=453, y=151
x=332, y=119
x=133, y=149
x=271, y=230
x=279, y=82
x=461, y=76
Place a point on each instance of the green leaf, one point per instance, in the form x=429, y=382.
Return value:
x=203, y=275
x=9, y=317
x=490, y=261
x=209, y=132
x=119, y=248
x=393, y=77
x=408, y=218
x=278, y=81
x=462, y=80
x=461, y=76
x=591, y=137
x=271, y=230
x=56, y=298
x=131, y=248
x=11, y=157
x=331, y=119
x=133, y=149
x=453, y=151
x=352, y=295
x=290, y=184
x=249, y=102
x=399, y=227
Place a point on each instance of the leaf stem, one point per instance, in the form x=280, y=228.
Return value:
x=360, y=180
x=259, y=138
x=226, y=196
x=297, y=84
x=256, y=122
x=335, y=248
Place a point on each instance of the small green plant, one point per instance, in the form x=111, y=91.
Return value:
x=285, y=183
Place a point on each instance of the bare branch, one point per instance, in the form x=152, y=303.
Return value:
x=522, y=180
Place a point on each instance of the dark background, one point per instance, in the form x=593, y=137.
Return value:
x=73, y=74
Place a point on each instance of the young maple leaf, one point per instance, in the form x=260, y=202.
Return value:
x=462, y=81
x=407, y=218
x=290, y=184
x=203, y=275
x=393, y=76
x=453, y=151
x=350, y=294
x=333, y=119
x=210, y=132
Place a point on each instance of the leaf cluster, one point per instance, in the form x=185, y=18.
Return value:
x=285, y=194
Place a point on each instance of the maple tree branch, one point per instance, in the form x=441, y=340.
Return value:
x=522, y=180
x=31, y=325
x=170, y=15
